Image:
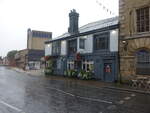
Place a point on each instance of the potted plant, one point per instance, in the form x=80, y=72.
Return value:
x=49, y=69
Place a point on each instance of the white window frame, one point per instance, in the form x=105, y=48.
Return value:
x=86, y=63
x=72, y=65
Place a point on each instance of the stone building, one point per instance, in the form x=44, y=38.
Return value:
x=134, y=16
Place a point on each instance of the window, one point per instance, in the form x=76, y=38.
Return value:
x=143, y=19
x=72, y=46
x=55, y=64
x=88, y=65
x=56, y=48
x=143, y=62
x=59, y=64
x=82, y=43
x=101, y=41
x=33, y=34
x=70, y=64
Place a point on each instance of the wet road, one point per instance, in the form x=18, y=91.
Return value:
x=20, y=93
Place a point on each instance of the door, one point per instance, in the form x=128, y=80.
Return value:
x=108, y=72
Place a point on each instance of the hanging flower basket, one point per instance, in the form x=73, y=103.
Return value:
x=47, y=58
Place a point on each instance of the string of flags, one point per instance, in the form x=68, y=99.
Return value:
x=105, y=8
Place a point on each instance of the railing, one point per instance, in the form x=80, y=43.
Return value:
x=141, y=82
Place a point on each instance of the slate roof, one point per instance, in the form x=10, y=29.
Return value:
x=93, y=26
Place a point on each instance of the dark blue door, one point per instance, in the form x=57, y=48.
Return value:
x=108, y=72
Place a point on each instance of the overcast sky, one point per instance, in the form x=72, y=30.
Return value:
x=16, y=16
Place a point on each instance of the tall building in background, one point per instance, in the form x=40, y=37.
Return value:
x=134, y=18
x=36, y=39
x=30, y=58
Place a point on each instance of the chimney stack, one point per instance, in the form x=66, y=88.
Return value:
x=73, y=22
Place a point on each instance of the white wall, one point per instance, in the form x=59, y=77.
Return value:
x=114, y=40
x=63, y=47
x=88, y=44
x=48, y=49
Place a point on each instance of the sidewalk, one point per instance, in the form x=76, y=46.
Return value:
x=90, y=83
x=29, y=72
x=99, y=84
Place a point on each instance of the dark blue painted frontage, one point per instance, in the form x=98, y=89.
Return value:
x=105, y=65
x=97, y=59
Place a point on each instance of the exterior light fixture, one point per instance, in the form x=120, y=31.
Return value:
x=48, y=45
x=125, y=44
x=113, y=31
x=63, y=42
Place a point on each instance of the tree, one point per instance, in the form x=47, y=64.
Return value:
x=11, y=54
x=0, y=58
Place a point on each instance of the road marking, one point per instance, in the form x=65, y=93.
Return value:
x=97, y=100
x=112, y=107
x=91, y=99
x=120, y=102
x=133, y=95
x=10, y=106
x=62, y=91
x=127, y=98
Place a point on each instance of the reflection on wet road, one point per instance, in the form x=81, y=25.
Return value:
x=20, y=93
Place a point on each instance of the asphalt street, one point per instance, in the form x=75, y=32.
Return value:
x=21, y=93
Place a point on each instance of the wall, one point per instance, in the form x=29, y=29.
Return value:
x=21, y=59
x=63, y=47
x=38, y=43
x=134, y=41
x=29, y=39
x=88, y=44
x=127, y=15
x=114, y=40
x=48, y=49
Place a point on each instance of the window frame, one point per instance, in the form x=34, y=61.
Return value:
x=70, y=65
x=69, y=48
x=143, y=62
x=87, y=63
x=107, y=33
x=82, y=46
x=56, y=48
x=135, y=18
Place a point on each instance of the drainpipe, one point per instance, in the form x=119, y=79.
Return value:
x=119, y=40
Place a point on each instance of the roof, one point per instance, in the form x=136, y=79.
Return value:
x=42, y=31
x=93, y=26
x=99, y=24
x=35, y=55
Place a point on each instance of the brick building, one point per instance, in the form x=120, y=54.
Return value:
x=134, y=16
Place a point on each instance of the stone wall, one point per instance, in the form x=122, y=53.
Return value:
x=38, y=43
x=130, y=40
x=127, y=14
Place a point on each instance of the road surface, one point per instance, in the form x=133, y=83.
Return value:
x=21, y=93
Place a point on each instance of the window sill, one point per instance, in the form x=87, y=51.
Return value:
x=139, y=35
x=102, y=50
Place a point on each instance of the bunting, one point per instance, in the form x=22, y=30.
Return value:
x=104, y=7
